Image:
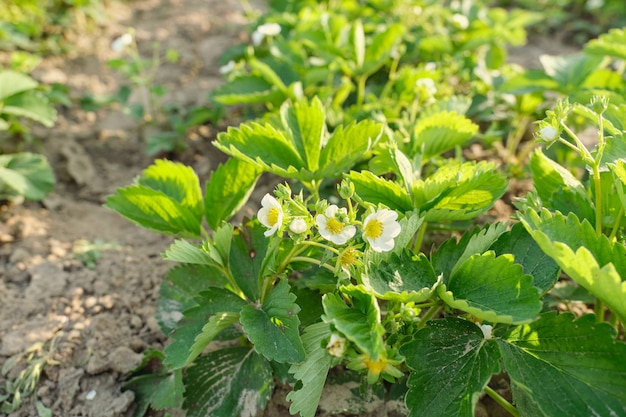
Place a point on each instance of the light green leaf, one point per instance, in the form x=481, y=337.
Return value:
x=228, y=189
x=358, y=43
x=274, y=329
x=441, y=132
x=186, y=252
x=595, y=263
x=459, y=192
x=228, y=382
x=166, y=199
x=195, y=327
x=570, y=71
x=377, y=190
x=452, y=363
x=347, y=146
x=31, y=104
x=558, y=188
x=311, y=372
x=266, y=72
x=216, y=323
x=13, y=82
x=263, y=145
x=492, y=289
x=529, y=255
x=306, y=124
x=27, y=174
x=381, y=47
x=178, y=291
x=248, y=89
x=530, y=81
x=403, y=278
x=567, y=367
x=611, y=44
x=359, y=322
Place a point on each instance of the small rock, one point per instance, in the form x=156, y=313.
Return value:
x=19, y=255
x=79, y=163
x=124, y=359
x=135, y=322
x=97, y=365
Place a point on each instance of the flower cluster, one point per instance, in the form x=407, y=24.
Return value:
x=334, y=224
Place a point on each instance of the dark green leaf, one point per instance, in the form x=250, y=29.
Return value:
x=31, y=104
x=159, y=391
x=274, y=329
x=27, y=174
x=247, y=252
x=452, y=363
x=567, y=367
x=228, y=382
x=376, y=190
x=306, y=123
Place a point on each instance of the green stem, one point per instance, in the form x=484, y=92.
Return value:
x=313, y=261
x=581, y=148
x=618, y=221
x=360, y=98
x=321, y=245
x=432, y=312
x=598, y=194
x=420, y=238
x=502, y=401
x=599, y=310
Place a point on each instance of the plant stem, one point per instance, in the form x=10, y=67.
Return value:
x=420, y=237
x=501, y=401
x=599, y=310
x=313, y=261
x=432, y=312
x=360, y=97
x=618, y=221
x=598, y=194
x=321, y=245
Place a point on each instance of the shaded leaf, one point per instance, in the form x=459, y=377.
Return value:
x=27, y=174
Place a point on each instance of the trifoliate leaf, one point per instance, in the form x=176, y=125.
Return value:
x=228, y=382
x=376, y=190
x=26, y=174
x=567, y=367
x=359, y=322
x=451, y=364
x=459, y=192
x=196, y=328
x=492, y=289
x=404, y=278
x=529, y=255
x=311, y=372
x=274, y=328
x=179, y=289
x=166, y=199
x=228, y=189
x=306, y=125
x=347, y=146
x=594, y=262
x=441, y=132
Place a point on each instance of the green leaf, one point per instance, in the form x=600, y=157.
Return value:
x=228, y=189
x=228, y=382
x=570, y=71
x=274, y=329
x=359, y=322
x=178, y=291
x=567, y=367
x=166, y=199
x=263, y=145
x=459, y=192
x=27, y=174
x=596, y=263
x=452, y=253
x=611, y=44
x=441, y=132
x=31, y=104
x=358, y=43
x=452, y=363
x=530, y=81
x=377, y=190
x=186, y=252
x=13, y=82
x=247, y=253
x=403, y=278
x=492, y=288
x=347, y=146
x=248, y=89
x=311, y=372
x=196, y=328
x=306, y=124
x=558, y=188
x=157, y=390
x=381, y=47
x=528, y=254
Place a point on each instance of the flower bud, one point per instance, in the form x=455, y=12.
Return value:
x=346, y=189
x=548, y=133
x=298, y=226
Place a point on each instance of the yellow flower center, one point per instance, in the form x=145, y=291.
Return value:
x=272, y=216
x=376, y=367
x=374, y=229
x=334, y=226
x=347, y=257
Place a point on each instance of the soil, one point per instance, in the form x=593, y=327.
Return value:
x=76, y=275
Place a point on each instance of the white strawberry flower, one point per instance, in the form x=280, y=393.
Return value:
x=298, y=226
x=267, y=29
x=333, y=225
x=380, y=228
x=270, y=214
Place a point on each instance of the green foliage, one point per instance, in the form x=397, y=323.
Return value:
x=25, y=174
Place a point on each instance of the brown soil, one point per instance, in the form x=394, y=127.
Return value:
x=101, y=317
